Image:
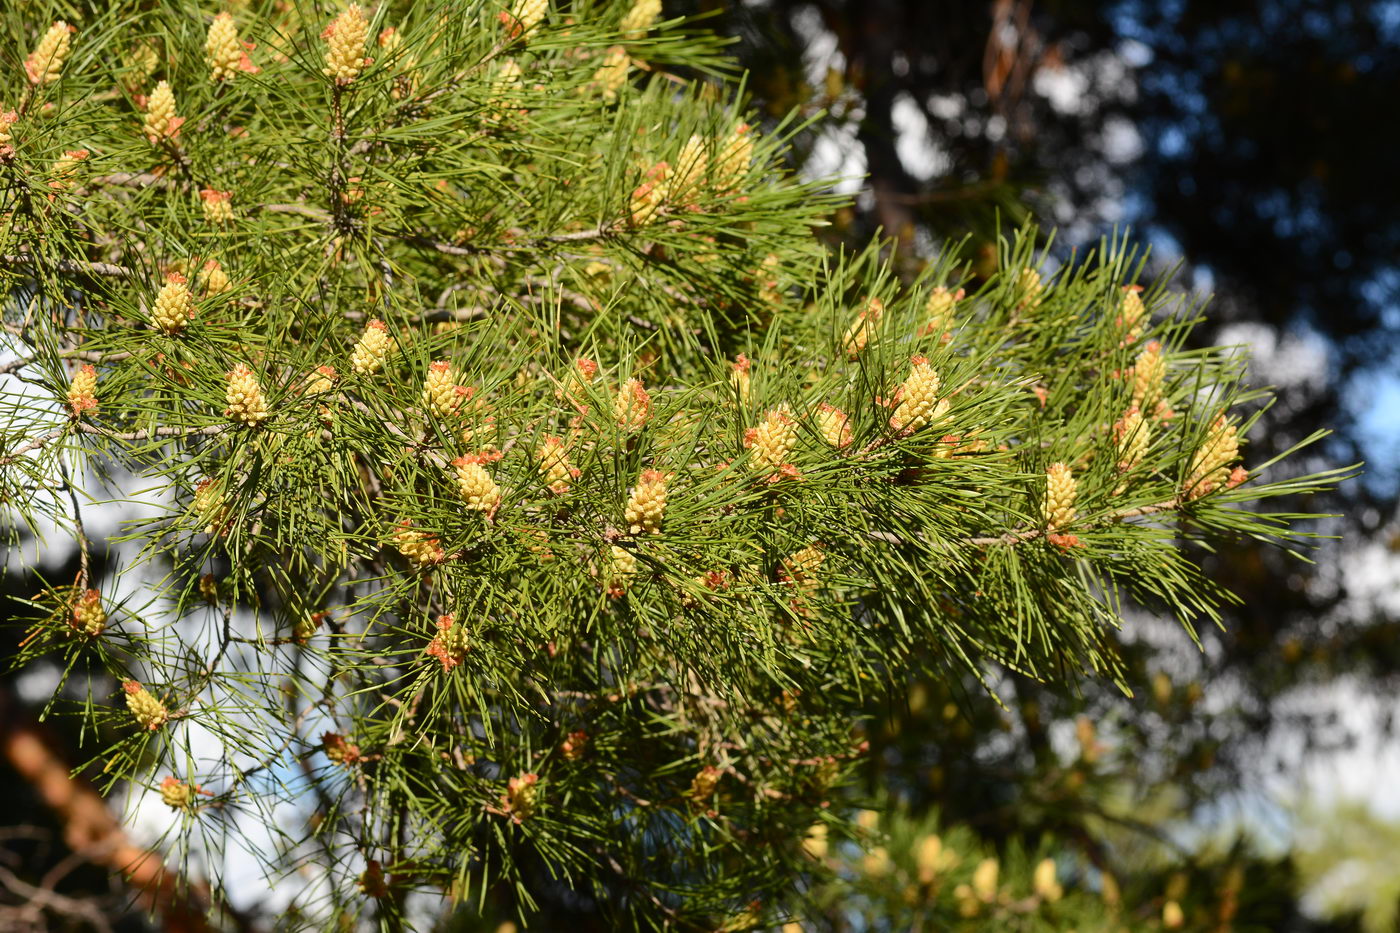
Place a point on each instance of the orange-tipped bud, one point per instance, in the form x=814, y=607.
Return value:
x=82, y=392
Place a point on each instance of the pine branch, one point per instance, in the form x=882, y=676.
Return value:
x=68, y=266
x=86, y=356
x=80, y=427
x=633, y=524
x=520, y=240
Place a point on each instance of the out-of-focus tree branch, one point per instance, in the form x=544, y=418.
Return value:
x=90, y=828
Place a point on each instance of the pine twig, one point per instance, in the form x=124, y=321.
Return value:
x=68, y=266
x=84, y=428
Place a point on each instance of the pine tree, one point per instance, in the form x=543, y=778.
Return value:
x=537, y=501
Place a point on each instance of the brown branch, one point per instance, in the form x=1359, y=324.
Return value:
x=209, y=430
x=83, y=427
x=87, y=356
x=444, y=248
x=600, y=232
x=79, y=531
x=340, y=163
x=130, y=180
x=306, y=210
x=70, y=266
x=14, y=366
x=34, y=444
x=45, y=897
x=432, y=315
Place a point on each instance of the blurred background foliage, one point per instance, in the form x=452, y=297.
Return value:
x=1244, y=785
